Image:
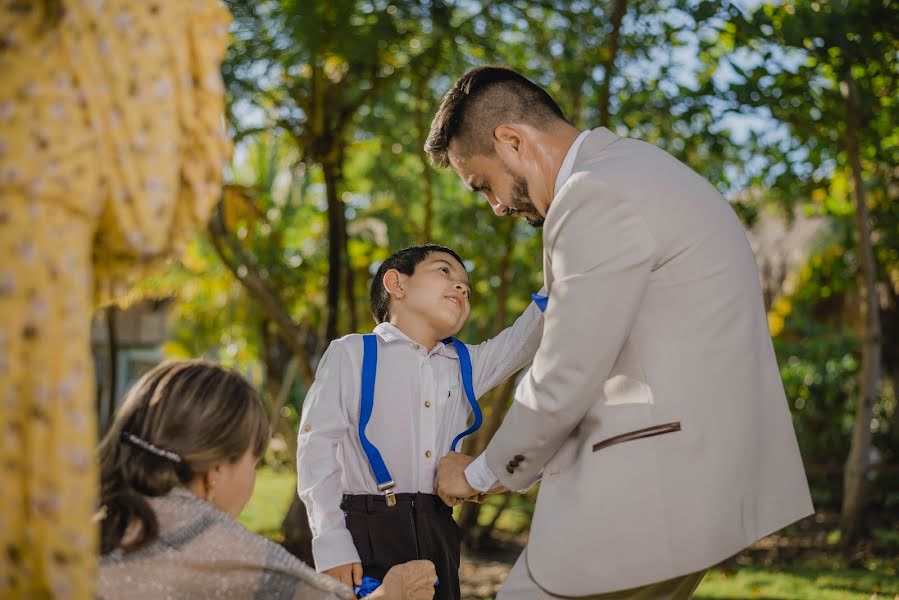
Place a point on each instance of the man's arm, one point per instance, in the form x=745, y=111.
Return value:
x=601, y=254
x=323, y=427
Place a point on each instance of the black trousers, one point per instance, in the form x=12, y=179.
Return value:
x=420, y=526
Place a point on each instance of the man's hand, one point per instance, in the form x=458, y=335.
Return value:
x=413, y=580
x=350, y=574
x=497, y=489
x=450, y=483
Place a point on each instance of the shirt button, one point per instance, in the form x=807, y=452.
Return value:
x=427, y=404
x=416, y=347
x=428, y=454
x=307, y=427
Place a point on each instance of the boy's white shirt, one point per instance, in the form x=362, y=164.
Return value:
x=420, y=406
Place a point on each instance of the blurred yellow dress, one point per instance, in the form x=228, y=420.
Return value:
x=112, y=149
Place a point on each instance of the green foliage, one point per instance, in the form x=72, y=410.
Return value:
x=790, y=61
x=350, y=86
x=265, y=511
x=826, y=72
x=796, y=584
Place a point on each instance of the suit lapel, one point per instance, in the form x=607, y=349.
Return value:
x=594, y=143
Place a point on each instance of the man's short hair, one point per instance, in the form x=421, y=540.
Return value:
x=479, y=102
x=405, y=262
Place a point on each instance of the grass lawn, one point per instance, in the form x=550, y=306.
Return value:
x=269, y=503
x=797, y=583
x=823, y=579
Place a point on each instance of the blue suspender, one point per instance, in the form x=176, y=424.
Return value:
x=369, y=374
x=465, y=365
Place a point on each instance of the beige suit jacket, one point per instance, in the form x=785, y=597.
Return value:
x=655, y=324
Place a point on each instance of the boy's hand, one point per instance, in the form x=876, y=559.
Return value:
x=350, y=574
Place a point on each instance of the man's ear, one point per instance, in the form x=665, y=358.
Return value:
x=508, y=141
x=393, y=283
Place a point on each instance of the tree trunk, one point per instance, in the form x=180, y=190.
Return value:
x=427, y=186
x=605, y=91
x=335, y=248
x=859, y=452
x=349, y=285
x=295, y=527
x=496, y=401
x=233, y=257
x=895, y=380
x=297, y=534
x=280, y=372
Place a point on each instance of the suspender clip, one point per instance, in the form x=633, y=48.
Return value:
x=389, y=494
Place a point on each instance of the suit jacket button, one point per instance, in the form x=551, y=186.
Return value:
x=513, y=463
x=519, y=457
x=510, y=469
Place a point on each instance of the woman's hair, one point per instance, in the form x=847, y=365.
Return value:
x=176, y=423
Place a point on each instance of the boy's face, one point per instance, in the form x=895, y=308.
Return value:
x=439, y=293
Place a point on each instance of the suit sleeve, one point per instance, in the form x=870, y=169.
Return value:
x=601, y=254
x=323, y=428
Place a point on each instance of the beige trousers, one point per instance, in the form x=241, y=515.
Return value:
x=520, y=586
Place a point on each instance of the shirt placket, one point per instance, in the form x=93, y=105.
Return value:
x=428, y=430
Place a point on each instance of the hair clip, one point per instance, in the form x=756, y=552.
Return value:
x=145, y=445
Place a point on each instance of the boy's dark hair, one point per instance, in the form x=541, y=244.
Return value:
x=479, y=102
x=405, y=262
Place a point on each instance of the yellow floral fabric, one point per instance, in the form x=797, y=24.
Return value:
x=112, y=150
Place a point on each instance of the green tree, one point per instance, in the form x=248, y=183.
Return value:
x=828, y=72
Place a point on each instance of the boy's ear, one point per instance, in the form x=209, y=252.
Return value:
x=393, y=283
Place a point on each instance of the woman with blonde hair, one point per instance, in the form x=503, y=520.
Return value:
x=177, y=467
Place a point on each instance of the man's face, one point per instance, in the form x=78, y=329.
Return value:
x=505, y=191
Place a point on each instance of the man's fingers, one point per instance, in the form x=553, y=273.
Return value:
x=448, y=500
x=357, y=573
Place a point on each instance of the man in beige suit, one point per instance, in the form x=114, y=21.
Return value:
x=654, y=409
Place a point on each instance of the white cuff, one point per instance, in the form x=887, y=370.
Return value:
x=525, y=489
x=479, y=474
x=333, y=549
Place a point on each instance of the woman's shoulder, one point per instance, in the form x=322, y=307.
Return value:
x=191, y=527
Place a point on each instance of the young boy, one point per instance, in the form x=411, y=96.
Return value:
x=386, y=407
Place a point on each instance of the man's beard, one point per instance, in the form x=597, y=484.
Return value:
x=521, y=202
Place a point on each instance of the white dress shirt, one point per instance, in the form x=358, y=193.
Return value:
x=478, y=474
x=419, y=407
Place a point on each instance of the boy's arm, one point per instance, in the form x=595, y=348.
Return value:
x=323, y=428
x=502, y=356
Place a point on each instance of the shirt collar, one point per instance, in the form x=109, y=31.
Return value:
x=390, y=333
x=568, y=163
